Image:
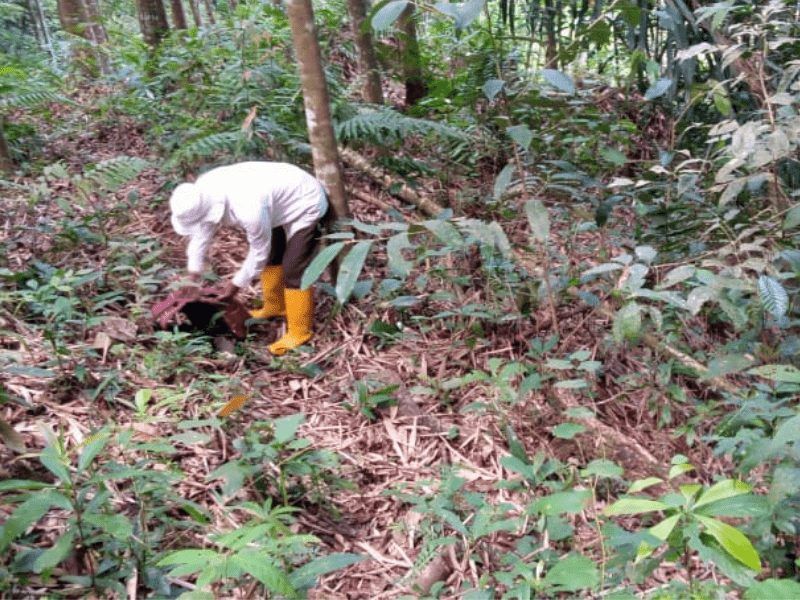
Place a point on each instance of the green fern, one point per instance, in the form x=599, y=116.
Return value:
x=29, y=99
x=382, y=125
x=209, y=145
x=111, y=174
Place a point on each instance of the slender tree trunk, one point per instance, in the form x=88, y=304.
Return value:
x=152, y=20
x=198, y=22
x=551, y=50
x=37, y=25
x=367, y=61
x=75, y=19
x=97, y=31
x=178, y=15
x=324, y=152
x=6, y=164
x=232, y=4
x=210, y=11
x=410, y=57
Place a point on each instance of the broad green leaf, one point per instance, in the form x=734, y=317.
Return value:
x=572, y=384
x=778, y=373
x=747, y=505
x=773, y=296
x=721, y=490
x=26, y=514
x=117, y=526
x=560, y=81
x=698, y=297
x=664, y=528
x=792, y=218
x=51, y=459
x=467, y=13
x=503, y=180
x=601, y=269
x=627, y=322
x=690, y=490
x=398, y=265
x=286, y=427
x=538, y=219
x=788, y=432
x=260, y=567
x=772, y=589
x=679, y=469
x=567, y=431
x=193, y=556
x=14, y=485
x=602, y=467
x=492, y=87
x=613, y=156
x=676, y=276
x=646, y=254
x=573, y=573
x=387, y=14
x=521, y=135
x=350, y=269
x=55, y=554
x=728, y=364
x=634, y=506
x=319, y=264
x=93, y=445
x=306, y=576
x=444, y=231
x=733, y=541
x=643, y=484
x=658, y=89
x=573, y=501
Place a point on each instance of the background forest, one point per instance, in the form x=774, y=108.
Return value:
x=559, y=356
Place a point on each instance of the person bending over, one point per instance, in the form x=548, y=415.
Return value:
x=279, y=206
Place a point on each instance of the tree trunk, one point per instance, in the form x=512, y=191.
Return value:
x=178, y=15
x=97, y=31
x=6, y=164
x=411, y=61
x=367, y=61
x=551, y=51
x=76, y=19
x=324, y=152
x=198, y=22
x=210, y=11
x=152, y=20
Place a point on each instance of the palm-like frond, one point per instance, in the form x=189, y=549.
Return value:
x=385, y=125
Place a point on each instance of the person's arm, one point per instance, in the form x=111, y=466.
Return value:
x=259, y=236
x=196, y=250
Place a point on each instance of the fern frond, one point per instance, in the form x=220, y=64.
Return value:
x=29, y=99
x=113, y=173
x=11, y=71
x=209, y=145
x=382, y=125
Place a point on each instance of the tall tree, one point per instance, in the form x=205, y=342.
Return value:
x=198, y=21
x=210, y=11
x=178, y=15
x=82, y=19
x=152, y=20
x=324, y=152
x=410, y=57
x=367, y=61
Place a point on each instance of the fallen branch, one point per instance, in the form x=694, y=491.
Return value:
x=355, y=160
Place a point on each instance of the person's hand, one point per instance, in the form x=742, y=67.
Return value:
x=227, y=291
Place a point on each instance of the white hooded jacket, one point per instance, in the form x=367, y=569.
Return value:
x=256, y=196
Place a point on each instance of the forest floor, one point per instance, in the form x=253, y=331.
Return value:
x=403, y=446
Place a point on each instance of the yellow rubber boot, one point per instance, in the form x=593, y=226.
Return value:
x=299, y=319
x=272, y=293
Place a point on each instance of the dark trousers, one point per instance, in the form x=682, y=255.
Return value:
x=294, y=255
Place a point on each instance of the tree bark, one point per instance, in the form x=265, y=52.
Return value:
x=210, y=11
x=324, y=152
x=97, y=32
x=77, y=18
x=367, y=61
x=198, y=21
x=178, y=14
x=6, y=164
x=152, y=20
x=551, y=50
x=411, y=60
